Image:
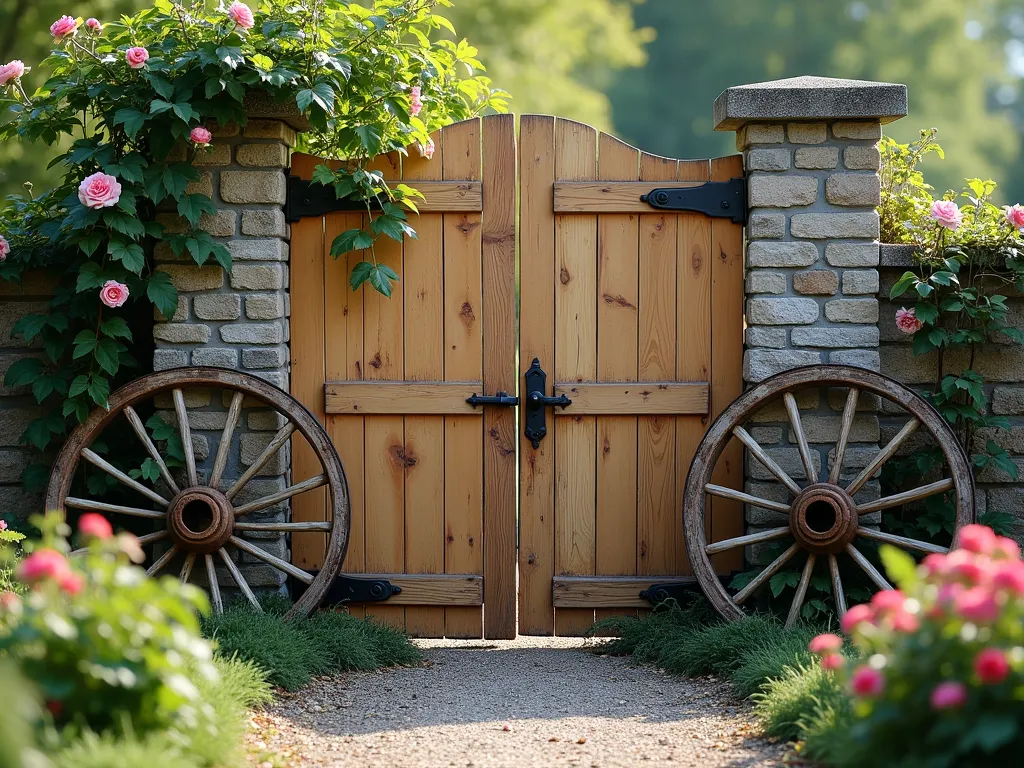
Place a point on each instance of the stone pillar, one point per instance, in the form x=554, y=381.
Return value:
x=810, y=152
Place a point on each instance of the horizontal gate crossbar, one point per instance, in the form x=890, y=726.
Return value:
x=432, y=588
x=610, y=196
x=309, y=199
x=400, y=397
x=651, y=398
x=607, y=591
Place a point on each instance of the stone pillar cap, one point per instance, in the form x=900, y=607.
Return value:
x=809, y=98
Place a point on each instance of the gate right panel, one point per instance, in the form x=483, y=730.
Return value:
x=636, y=315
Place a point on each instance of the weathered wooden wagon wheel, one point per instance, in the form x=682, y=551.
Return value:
x=823, y=517
x=198, y=516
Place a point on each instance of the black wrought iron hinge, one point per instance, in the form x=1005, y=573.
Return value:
x=718, y=199
x=307, y=198
x=350, y=589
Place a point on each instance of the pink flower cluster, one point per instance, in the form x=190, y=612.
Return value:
x=12, y=70
x=427, y=150
x=5, y=248
x=906, y=320
x=241, y=14
x=49, y=565
x=415, y=102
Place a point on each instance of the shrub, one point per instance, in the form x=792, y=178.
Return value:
x=940, y=681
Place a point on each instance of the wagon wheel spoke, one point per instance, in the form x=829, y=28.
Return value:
x=239, y=580
x=102, y=506
x=769, y=463
x=883, y=456
x=163, y=560
x=849, y=412
x=867, y=567
x=752, y=538
x=140, y=430
x=211, y=576
x=766, y=574
x=186, y=437
x=801, y=591
x=898, y=499
x=268, y=453
x=98, y=461
x=287, y=493
x=746, y=498
x=901, y=541
x=225, y=440
x=277, y=562
x=186, y=568
x=284, y=527
x=801, y=440
x=837, y=585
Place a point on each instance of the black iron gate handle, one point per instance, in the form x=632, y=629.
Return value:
x=537, y=402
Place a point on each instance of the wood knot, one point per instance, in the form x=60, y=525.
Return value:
x=563, y=276
x=466, y=313
x=531, y=559
x=466, y=226
x=607, y=446
x=376, y=362
x=401, y=458
x=620, y=301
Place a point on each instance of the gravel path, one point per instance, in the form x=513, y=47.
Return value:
x=528, y=703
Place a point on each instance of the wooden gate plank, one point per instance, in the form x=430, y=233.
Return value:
x=463, y=360
x=727, y=361
x=408, y=397
x=424, y=360
x=575, y=360
x=656, y=512
x=537, y=340
x=656, y=397
x=498, y=232
x=617, y=321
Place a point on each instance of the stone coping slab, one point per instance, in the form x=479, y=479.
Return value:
x=896, y=255
x=809, y=98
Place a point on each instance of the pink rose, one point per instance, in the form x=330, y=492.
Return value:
x=99, y=191
x=978, y=605
x=977, y=538
x=1006, y=549
x=831, y=661
x=201, y=136
x=991, y=666
x=63, y=27
x=42, y=564
x=1008, y=575
x=95, y=526
x=947, y=214
x=241, y=15
x=113, y=293
x=93, y=24
x=906, y=320
x=136, y=57
x=415, y=105
x=867, y=681
x=3, y=525
x=857, y=615
x=888, y=600
x=949, y=695
x=824, y=644
x=427, y=150
x=1015, y=216
x=71, y=582
x=5, y=248
x=12, y=70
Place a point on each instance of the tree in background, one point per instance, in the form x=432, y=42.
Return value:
x=950, y=53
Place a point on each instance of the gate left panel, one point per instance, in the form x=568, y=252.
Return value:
x=431, y=477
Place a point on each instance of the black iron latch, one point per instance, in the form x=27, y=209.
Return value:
x=308, y=198
x=537, y=403
x=350, y=589
x=502, y=398
x=718, y=199
x=671, y=590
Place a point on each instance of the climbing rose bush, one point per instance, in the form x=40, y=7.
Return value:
x=938, y=678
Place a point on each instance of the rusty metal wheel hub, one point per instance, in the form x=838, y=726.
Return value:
x=823, y=518
x=200, y=520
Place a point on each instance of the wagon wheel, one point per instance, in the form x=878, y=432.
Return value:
x=201, y=516
x=822, y=517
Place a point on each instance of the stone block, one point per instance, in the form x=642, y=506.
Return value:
x=6, y=361
x=788, y=459
x=852, y=189
x=782, y=311
x=164, y=359
x=254, y=333
x=760, y=336
x=14, y=421
x=775, y=412
x=859, y=358
x=763, y=281
x=852, y=254
x=771, y=492
x=852, y=310
x=868, y=130
x=264, y=306
x=766, y=225
x=188, y=279
x=807, y=133
x=10, y=313
x=770, y=254
x=264, y=223
x=201, y=186
x=268, y=249
x=830, y=226
x=247, y=187
x=270, y=357
x=262, y=155
x=252, y=445
x=181, y=333
x=194, y=398
x=1008, y=401
x=835, y=337
x=258, y=277
x=906, y=368
x=216, y=356
x=817, y=158
x=817, y=282
x=825, y=429
x=772, y=191
x=861, y=158
x=759, y=364
x=20, y=503
x=759, y=133
x=766, y=435
x=215, y=154
x=219, y=224
x=860, y=282
x=270, y=129
x=767, y=159
x=265, y=421
x=12, y=463
x=218, y=306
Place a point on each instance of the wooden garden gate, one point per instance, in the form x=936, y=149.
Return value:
x=486, y=521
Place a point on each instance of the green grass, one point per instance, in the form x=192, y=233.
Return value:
x=292, y=652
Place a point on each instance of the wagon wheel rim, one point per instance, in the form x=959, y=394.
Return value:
x=208, y=547
x=828, y=542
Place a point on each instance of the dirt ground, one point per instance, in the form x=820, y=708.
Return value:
x=528, y=703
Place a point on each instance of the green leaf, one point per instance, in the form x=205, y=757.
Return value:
x=90, y=242
x=381, y=278
x=129, y=254
x=99, y=390
x=121, y=222
x=158, y=106
x=370, y=138
x=23, y=372
x=116, y=328
x=131, y=119
x=79, y=385
x=899, y=565
x=85, y=342
x=360, y=274
x=184, y=111
x=107, y=353
x=192, y=207
x=989, y=732
x=90, y=275
x=160, y=85
x=351, y=240
x=924, y=289
x=161, y=291
x=393, y=227
x=782, y=580
x=29, y=326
